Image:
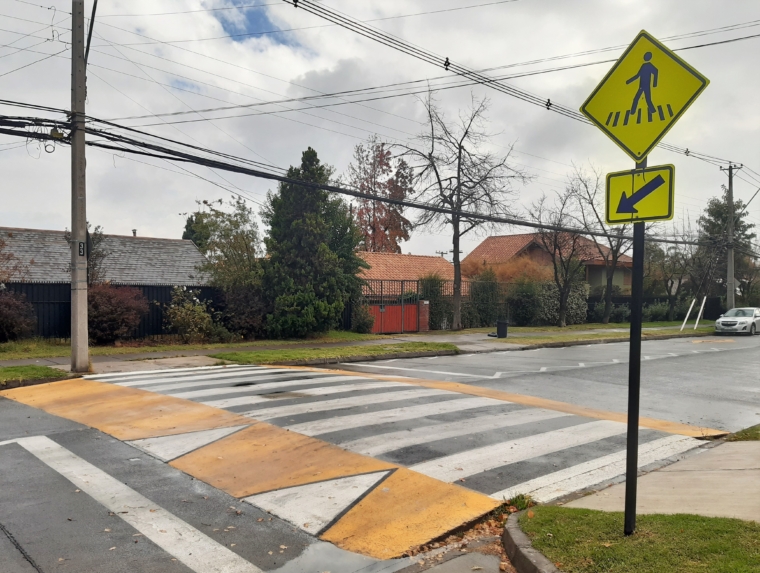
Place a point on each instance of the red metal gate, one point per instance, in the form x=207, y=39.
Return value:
x=394, y=318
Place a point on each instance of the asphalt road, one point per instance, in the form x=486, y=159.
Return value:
x=712, y=382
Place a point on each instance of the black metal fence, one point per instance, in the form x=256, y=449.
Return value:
x=52, y=305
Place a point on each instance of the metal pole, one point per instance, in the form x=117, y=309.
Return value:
x=688, y=314
x=79, y=337
x=730, y=286
x=701, y=310
x=634, y=374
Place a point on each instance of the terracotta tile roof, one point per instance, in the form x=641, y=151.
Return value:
x=393, y=266
x=500, y=249
x=129, y=260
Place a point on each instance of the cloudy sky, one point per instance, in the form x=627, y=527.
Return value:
x=164, y=56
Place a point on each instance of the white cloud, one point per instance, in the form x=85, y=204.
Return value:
x=124, y=194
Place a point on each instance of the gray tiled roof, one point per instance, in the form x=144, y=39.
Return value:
x=130, y=260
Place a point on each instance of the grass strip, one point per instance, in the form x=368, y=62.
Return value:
x=42, y=348
x=747, y=435
x=561, y=338
x=335, y=353
x=24, y=373
x=585, y=541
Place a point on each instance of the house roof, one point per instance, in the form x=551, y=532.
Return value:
x=129, y=260
x=500, y=249
x=395, y=266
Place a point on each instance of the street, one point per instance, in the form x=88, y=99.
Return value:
x=545, y=423
x=712, y=382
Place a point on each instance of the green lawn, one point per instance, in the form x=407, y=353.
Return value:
x=746, y=435
x=42, y=348
x=335, y=353
x=585, y=541
x=21, y=373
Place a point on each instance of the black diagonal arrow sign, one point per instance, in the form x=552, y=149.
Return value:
x=628, y=204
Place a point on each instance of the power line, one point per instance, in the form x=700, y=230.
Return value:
x=118, y=142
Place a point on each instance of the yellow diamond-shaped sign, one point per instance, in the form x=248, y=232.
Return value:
x=643, y=95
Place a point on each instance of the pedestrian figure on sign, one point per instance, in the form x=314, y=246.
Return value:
x=647, y=77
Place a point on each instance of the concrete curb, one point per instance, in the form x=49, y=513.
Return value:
x=598, y=341
x=389, y=356
x=520, y=551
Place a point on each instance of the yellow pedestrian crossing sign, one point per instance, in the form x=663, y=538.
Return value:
x=643, y=95
x=640, y=195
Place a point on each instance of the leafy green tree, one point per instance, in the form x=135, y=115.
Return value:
x=710, y=265
x=196, y=229
x=230, y=240
x=311, y=268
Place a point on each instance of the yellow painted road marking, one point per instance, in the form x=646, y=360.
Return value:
x=406, y=510
x=125, y=413
x=535, y=401
x=264, y=457
x=729, y=341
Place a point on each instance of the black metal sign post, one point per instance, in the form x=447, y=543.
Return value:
x=634, y=373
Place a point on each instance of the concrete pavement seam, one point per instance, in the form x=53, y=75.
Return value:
x=520, y=551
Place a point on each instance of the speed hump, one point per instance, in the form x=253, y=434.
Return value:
x=644, y=94
x=640, y=195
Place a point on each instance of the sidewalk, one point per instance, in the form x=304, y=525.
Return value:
x=723, y=481
x=472, y=342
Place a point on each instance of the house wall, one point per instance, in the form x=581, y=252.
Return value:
x=597, y=276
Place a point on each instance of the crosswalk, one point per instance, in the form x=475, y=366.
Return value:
x=489, y=445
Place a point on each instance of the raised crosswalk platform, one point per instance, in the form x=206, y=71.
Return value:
x=375, y=465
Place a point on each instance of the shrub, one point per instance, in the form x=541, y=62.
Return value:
x=244, y=311
x=441, y=306
x=577, y=304
x=17, y=318
x=362, y=320
x=620, y=313
x=524, y=304
x=188, y=316
x=655, y=312
x=114, y=312
x=484, y=294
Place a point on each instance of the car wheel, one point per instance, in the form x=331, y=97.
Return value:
x=752, y=330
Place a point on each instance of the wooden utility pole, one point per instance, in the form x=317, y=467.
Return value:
x=80, y=358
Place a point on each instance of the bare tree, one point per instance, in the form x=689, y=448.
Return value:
x=567, y=251
x=675, y=266
x=589, y=189
x=453, y=171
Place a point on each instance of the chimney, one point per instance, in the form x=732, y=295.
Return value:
x=134, y=232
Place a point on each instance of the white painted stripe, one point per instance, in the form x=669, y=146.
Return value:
x=252, y=374
x=451, y=468
x=313, y=506
x=318, y=427
x=340, y=403
x=382, y=443
x=191, y=547
x=169, y=388
x=558, y=484
x=252, y=399
x=420, y=370
x=445, y=373
x=167, y=448
x=126, y=375
x=192, y=394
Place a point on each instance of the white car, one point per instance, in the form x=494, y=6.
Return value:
x=739, y=321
